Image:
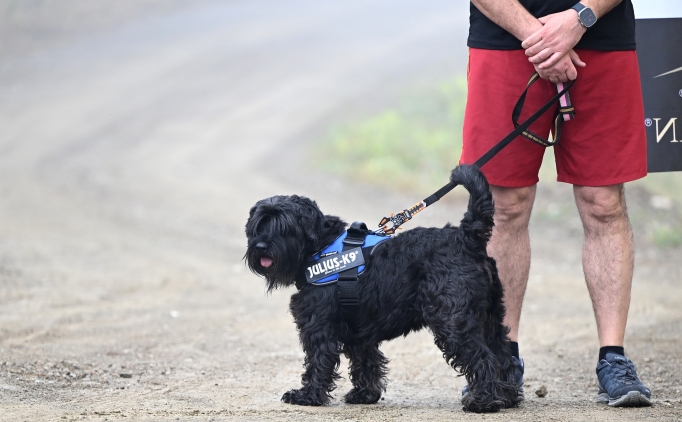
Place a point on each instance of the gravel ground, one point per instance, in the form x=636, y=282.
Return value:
x=129, y=157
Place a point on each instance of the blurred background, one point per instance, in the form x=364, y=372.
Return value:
x=136, y=134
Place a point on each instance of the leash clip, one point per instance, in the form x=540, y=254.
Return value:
x=398, y=220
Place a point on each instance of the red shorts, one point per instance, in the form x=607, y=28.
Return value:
x=605, y=144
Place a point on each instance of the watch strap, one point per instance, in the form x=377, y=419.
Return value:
x=578, y=7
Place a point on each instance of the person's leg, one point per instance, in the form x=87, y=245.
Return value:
x=608, y=258
x=606, y=146
x=608, y=262
x=510, y=246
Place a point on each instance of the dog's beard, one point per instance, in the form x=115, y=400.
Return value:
x=278, y=263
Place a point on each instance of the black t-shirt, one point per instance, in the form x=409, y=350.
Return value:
x=613, y=31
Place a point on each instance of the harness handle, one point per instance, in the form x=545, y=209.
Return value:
x=402, y=217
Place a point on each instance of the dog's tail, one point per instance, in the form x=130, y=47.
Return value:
x=477, y=224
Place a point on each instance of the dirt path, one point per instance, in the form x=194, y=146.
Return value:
x=128, y=163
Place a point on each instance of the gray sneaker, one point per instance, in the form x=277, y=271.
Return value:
x=519, y=378
x=619, y=385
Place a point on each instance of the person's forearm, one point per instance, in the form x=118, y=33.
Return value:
x=515, y=19
x=600, y=7
x=511, y=16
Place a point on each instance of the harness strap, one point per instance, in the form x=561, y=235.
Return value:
x=520, y=129
x=347, y=283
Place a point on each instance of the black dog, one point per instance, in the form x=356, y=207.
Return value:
x=442, y=279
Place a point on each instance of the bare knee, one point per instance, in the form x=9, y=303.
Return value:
x=600, y=206
x=512, y=206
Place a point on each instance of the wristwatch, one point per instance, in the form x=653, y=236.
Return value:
x=586, y=16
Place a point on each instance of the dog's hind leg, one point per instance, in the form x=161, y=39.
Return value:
x=466, y=351
x=367, y=373
x=498, y=341
x=459, y=330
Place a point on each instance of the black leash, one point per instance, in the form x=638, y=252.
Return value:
x=564, y=112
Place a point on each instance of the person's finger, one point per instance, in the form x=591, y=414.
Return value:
x=572, y=73
x=540, y=56
x=551, y=60
x=576, y=59
x=536, y=48
x=544, y=74
x=541, y=73
x=533, y=39
x=554, y=79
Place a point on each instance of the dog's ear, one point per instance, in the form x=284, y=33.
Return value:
x=252, y=211
x=333, y=224
x=250, y=223
x=310, y=218
x=249, y=220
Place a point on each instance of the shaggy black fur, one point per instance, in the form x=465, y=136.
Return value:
x=442, y=279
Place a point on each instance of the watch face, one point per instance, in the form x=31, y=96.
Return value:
x=587, y=17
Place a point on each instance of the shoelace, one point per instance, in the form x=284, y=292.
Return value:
x=624, y=371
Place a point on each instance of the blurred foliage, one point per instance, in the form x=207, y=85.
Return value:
x=410, y=147
x=666, y=236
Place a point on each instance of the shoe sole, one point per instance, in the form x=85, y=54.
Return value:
x=631, y=399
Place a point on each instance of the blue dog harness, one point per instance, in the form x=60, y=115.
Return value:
x=324, y=267
x=342, y=262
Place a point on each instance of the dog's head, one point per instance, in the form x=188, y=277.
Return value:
x=283, y=232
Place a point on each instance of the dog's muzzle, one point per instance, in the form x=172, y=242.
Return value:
x=265, y=261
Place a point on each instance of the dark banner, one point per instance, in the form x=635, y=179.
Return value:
x=659, y=50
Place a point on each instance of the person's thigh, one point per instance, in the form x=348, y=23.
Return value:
x=496, y=79
x=606, y=142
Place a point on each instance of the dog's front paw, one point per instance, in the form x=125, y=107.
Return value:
x=358, y=396
x=304, y=397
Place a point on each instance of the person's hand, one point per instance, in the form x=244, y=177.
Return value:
x=549, y=45
x=563, y=70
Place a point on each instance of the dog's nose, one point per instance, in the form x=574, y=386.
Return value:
x=261, y=246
